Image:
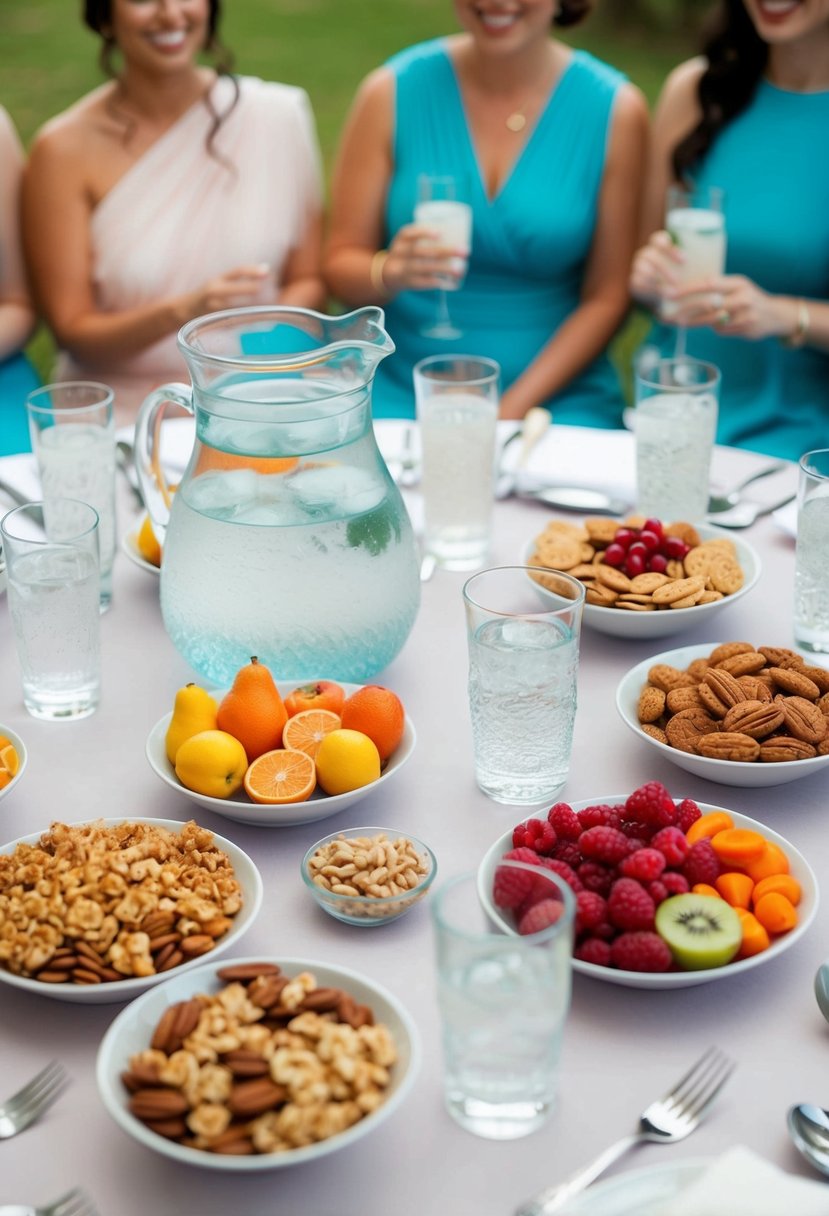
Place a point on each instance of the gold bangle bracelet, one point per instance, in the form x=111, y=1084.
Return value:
x=375, y=272
x=801, y=330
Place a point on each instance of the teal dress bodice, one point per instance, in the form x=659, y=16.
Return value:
x=17, y=380
x=772, y=164
x=530, y=243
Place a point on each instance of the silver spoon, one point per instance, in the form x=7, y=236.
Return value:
x=722, y=502
x=745, y=513
x=822, y=989
x=809, y=1130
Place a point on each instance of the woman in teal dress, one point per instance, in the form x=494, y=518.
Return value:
x=17, y=318
x=752, y=117
x=547, y=144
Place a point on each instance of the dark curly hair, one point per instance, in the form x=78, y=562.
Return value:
x=570, y=12
x=737, y=58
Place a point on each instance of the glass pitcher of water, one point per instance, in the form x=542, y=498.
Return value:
x=286, y=537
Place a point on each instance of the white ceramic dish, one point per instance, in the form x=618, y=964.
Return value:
x=124, y=990
x=133, y=1027
x=799, y=868
x=22, y=755
x=664, y=623
x=242, y=810
x=129, y=547
x=747, y=774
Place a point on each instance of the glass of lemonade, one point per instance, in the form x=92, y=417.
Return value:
x=811, y=572
x=51, y=552
x=441, y=208
x=73, y=437
x=457, y=400
x=503, y=1001
x=695, y=223
x=523, y=643
x=675, y=423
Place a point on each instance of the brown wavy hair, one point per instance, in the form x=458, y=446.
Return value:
x=737, y=58
x=570, y=12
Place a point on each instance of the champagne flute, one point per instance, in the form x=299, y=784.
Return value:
x=696, y=224
x=440, y=208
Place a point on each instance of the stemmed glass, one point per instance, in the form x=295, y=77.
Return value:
x=696, y=224
x=440, y=208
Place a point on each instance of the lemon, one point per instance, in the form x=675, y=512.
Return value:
x=347, y=760
x=211, y=762
x=147, y=543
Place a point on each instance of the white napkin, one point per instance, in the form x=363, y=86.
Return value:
x=21, y=473
x=741, y=1183
x=786, y=518
x=579, y=456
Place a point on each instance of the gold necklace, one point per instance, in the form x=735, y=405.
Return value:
x=517, y=120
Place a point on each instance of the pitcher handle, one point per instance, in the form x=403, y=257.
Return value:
x=155, y=488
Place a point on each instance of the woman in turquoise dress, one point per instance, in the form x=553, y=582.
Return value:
x=751, y=117
x=17, y=318
x=547, y=144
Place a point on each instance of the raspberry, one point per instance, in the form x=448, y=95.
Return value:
x=687, y=813
x=591, y=910
x=510, y=887
x=640, y=951
x=657, y=891
x=540, y=916
x=604, y=844
x=569, y=852
x=672, y=845
x=593, y=950
x=701, y=864
x=675, y=883
x=595, y=877
x=565, y=821
x=644, y=864
x=522, y=854
x=629, y=906
x=536, y=834
x=600, y=815
x=635, y=830
x=564, y=871
x=652, y=804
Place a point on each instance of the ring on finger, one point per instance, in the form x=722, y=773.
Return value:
x=723, y=316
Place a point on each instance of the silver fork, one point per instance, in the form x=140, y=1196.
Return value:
x=32, y=1100
x=665, y=1121
x=73, y=1203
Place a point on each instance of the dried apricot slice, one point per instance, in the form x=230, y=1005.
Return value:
x=735, y=888
x=783, y=884
x=755, y=937
x=738, y=846
x=708, y=825
x=775, y=913
x=772, y=861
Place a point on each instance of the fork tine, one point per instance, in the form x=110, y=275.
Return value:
x=73, y=1203
x=24, y=1093
x=40, y=1097
x=715, y=1084
x=693, y=1094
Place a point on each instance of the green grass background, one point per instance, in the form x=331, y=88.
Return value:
x=48, y=59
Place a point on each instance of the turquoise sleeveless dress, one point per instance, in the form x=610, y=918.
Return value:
x=771, y=162
x=529, y=244
x=17, y=380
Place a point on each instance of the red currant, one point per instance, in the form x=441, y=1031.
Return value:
x=650, y=540
x=675, y=547
x=635, y=564
x=654, y=525
x=658, y=563
x=624, y=536
x=614, y=555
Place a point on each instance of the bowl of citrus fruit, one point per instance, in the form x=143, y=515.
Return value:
x=275, y=754
x=13, y=758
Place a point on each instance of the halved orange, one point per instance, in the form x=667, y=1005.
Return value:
x=305, y=731
x=5, y=778
x=9, y=759
x=281, y=776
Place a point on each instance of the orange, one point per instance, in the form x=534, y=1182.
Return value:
x=322, y=694
x=281, y=776
x=378, y=713
x=253, y=711
x=305, y=731
x=9, y=759
x=5, y=778
x=147, y=543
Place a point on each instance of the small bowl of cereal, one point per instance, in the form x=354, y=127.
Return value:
x=705, y=570
x=368, y=876
x=166, y=895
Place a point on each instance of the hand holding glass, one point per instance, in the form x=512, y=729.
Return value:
x=440, y=208
x=811, y=572
x=696, y=225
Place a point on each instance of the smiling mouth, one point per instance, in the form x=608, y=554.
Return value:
x=777, y=9
x=497, y=20
x=169, y=41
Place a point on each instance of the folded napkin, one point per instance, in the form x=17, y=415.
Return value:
x=579, y=456
x=20, y=472
x=786, y=518
x=741, y=1183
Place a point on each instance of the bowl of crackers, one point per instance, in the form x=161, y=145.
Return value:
x=647, y=583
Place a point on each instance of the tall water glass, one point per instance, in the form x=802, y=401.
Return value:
x=73, y=436
x=441, y=208
x=523, y=663
x=503, y=1000
x=675, y=423
x=695, y=223
x=53, y=570
x=457, y=400
x=811, y=572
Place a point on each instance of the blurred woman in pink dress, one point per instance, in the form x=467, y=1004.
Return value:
x=173, y=190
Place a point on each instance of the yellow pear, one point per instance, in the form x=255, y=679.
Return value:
x=194, y=710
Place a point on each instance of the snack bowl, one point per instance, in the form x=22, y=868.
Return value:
x=109, y=992
x=661, y=981
x=133, y=1028
x=665, y=622
x=752, y=774
x=243, y=810
x=369, y=910
x=22, y=758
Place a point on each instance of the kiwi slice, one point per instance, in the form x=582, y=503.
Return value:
x=700, y=930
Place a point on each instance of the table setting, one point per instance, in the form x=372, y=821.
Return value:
x=146, y=1059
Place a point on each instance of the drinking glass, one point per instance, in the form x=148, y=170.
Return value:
x=523, y=640
x=440, y=208
x=73, y=437
x=811, y=572
x=457, y=409
x=696, y=224
x=503, y=1001
x=675, y=423
x=53, y=570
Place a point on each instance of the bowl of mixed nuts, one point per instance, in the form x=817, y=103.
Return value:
x=368, y=876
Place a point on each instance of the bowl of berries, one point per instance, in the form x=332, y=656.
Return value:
x=669, y=893
x=645, y=578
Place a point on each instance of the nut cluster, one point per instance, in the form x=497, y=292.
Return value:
x=370, y=866
x=268, y=1064
x=93, y=903
x=739, y=703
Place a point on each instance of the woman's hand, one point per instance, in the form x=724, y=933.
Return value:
x=418, y=262
x=736, y=307
x=655, y=272
x=234, y=289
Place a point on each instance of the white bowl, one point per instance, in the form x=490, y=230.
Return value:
x=799, y=868
x=109, y=992
x=620, y=623
x=129, y=547
x=750, y=774
x=243, y=810
x=133, y=1027
x=22, y=755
